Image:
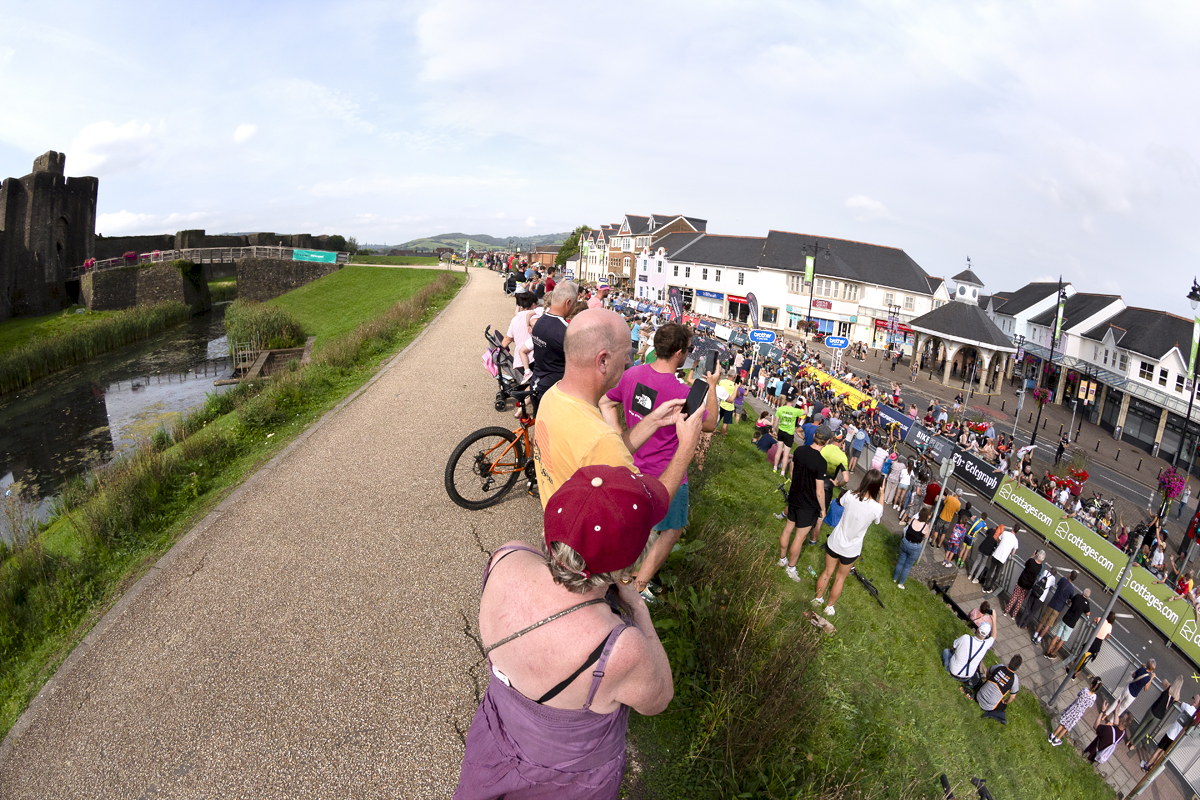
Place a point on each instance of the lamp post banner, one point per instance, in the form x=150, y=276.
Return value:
x=1195, y=344
x=809, y=263
x=676, y=298
x=752, y=301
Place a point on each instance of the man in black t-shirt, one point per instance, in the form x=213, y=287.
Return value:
x=549, y=334
x=806, y=500
x=1079, y=606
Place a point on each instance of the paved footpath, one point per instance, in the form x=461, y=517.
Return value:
x=309, y=638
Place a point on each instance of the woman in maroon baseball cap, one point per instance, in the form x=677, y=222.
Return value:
x=570, y=645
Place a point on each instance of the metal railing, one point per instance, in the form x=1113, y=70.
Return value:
x=1114, y=664
x=198, y=255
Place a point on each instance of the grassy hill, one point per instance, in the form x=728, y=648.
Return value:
x=478, y=241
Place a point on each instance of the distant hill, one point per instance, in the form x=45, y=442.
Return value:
x=478, y=241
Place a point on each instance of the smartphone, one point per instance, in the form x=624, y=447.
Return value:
x=710, y=363
x=696, y=397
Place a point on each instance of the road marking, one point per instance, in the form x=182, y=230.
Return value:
x=1124, y=616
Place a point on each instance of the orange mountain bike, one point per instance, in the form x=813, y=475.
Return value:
x=486, y=465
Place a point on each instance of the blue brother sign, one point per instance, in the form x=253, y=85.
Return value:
x=761, y=336
x=837, y=342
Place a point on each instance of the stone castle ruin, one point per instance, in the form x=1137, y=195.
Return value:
x=48, y=231
x=47, y=227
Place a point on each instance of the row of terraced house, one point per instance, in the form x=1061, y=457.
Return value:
x=1126, y=367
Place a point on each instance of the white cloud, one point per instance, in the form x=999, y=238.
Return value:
x=867, y=208
x=104, y=148
x=531, y=223
x=124, y=222
x=243, y=133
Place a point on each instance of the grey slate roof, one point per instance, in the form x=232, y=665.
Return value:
x=741, y=252
x=637, y=225
x=854, y=261
x=1146, y=331
x=674, y=243
x=966, y=276
x=963, y=321
x=1024, y=297
x=660, y=220
x=697, y=223
x=1078, y=307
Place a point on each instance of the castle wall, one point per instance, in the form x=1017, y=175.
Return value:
x=263, y=278
x=116, y=246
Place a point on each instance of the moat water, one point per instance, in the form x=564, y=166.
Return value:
x=86, y=415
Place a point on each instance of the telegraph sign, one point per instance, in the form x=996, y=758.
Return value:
x=759, y=336
x=837, y=342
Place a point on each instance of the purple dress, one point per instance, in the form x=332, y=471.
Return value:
x=517, y=748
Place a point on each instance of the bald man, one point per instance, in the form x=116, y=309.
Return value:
x=570, y=432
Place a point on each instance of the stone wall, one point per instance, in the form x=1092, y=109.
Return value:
x=126, y=287
x=263, y=278
x=115, y=246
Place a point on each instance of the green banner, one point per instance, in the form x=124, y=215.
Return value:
x=1195, y=343
x=1097, y=555
x=323, y=256
x=1086, y=547
x=1058, y=319
x=809, y=263
x=1150, y=600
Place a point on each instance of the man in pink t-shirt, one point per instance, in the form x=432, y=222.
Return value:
x=642, y=389
x=597, y=300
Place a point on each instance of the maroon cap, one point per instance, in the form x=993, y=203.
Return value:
x=605, y=514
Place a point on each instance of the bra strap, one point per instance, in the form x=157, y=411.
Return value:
x=540, y=623
x=598, y=674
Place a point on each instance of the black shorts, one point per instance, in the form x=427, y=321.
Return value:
x=803, y=516
x=788, y=439
x=727, y=415
x=1164, y=742
x=843, y=560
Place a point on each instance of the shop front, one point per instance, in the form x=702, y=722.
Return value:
x=902, y=335
x=711, y=304
x=798, y=319
x=739, y=309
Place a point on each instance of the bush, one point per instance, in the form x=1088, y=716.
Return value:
x=270, y=326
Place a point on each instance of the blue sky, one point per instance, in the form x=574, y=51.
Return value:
x=1037, y=138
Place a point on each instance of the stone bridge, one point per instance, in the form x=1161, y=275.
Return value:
x=211, y=255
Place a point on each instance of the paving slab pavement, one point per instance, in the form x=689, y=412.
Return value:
x=312, y=636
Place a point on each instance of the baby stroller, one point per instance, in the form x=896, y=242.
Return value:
x=499, y=363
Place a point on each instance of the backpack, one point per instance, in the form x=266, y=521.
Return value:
x=1043, y=583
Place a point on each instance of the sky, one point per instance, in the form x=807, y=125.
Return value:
x=1038, y=138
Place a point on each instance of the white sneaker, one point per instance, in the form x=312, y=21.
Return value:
x=829, y=612
x=791, y=573
x=974, y=580
x=818, y=601
x=900, y=586
x=782, y=562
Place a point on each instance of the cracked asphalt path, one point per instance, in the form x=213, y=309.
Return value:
x=312, y=637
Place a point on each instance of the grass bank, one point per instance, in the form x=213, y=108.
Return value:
x=117, y=521
x=223, y=289
x=342, y=300
x=868, y=712
x=34, y=348
x=397, y=261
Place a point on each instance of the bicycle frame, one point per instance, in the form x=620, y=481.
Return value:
x=499, y=466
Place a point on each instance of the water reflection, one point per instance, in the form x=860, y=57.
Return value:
x=83, y=416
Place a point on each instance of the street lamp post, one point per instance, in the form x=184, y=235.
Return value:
x=813, y=283
x=1194, y=299
x=1053, y=341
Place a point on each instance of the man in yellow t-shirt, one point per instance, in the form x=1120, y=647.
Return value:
x=728, y=390
x=570, y=432
x=950, y=506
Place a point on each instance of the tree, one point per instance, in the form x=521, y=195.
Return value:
x=352, y=245
x=571, y=246
x=336, y=242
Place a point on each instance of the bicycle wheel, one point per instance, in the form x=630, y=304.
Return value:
x=483, y=467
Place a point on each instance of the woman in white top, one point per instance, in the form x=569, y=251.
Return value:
x=842, y=549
